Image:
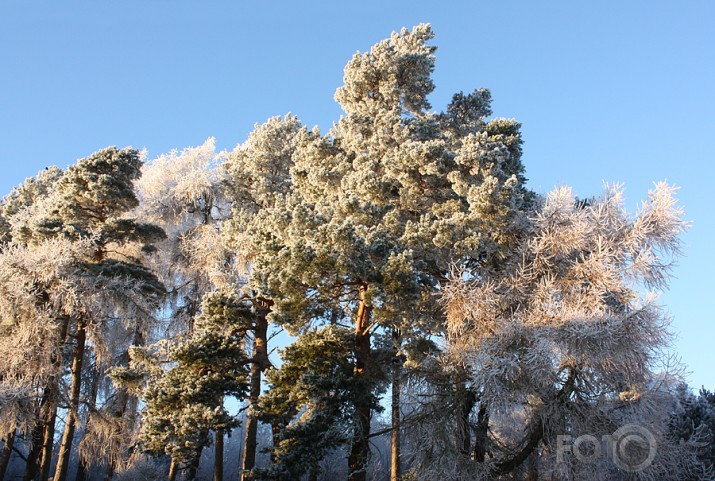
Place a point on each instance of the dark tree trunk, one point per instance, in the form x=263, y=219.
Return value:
x=250, y=443
x=482, y=433
x=395, y=470
x=466, y=400
x=218, y=459
x=49, y=417
x=6, y=453
x=360, y=448
x=260, y=363
x=72, y=414
x=49, y=412
x=32, y=467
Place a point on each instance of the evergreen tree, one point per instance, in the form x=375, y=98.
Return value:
x=316, y=383
x=693, y=420
x=99, y=281
x=380, y=207
x=257, y=177
x=185, y=402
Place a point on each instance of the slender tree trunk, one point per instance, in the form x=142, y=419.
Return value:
x=173, y=468
x=465, y=403
x=93, y=393
x=49, y=417
x=360, y=448
x=218, y=459
x=72, y=414
x=260, y=363
x=48, y=436
x=32, y=466
x=49, y=411
x=482, y=433
x=250, y=443
x=6, y=453
x=395, y=452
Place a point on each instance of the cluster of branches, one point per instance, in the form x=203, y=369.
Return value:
x=401, y=250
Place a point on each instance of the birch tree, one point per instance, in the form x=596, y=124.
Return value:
x=562, y=340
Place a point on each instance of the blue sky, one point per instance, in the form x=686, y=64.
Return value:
x=606, y=91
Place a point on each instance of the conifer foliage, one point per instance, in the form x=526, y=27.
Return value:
x=401, y=250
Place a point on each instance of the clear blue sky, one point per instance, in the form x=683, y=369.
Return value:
x=606, y=91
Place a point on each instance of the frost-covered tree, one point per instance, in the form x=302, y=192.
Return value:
x=694, y=419
x=182, y=192
x=18, y=211
x=100, y=282
x=184, y=403
x=381, y=206
x=316, y=382
x=257, y=178
x=561, y=340
x=91, y=202
x=35, y=299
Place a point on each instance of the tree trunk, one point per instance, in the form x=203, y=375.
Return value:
x=68, y=434
x=260, y=363
x=93, y=393
x=360, y=448
x=250, y=443
x=31, y=466
x=48, y=436
x=49, y=411
x=173, y=468
x=6, y=453
x=395, y=471
x=482, y=433
x=465, y=403
x=218, y=459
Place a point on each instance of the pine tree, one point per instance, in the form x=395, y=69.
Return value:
x=257, y=177
x=85, y=207
x=380, y=207
x=185, y=402
x=316, y=383
x=693, y=422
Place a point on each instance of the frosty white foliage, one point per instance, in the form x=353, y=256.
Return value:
x=182, y=192
x=37, y=290
x=560, y=340
x=142, y=469
x=181, y=184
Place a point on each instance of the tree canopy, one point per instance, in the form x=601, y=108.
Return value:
x=400, y=251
